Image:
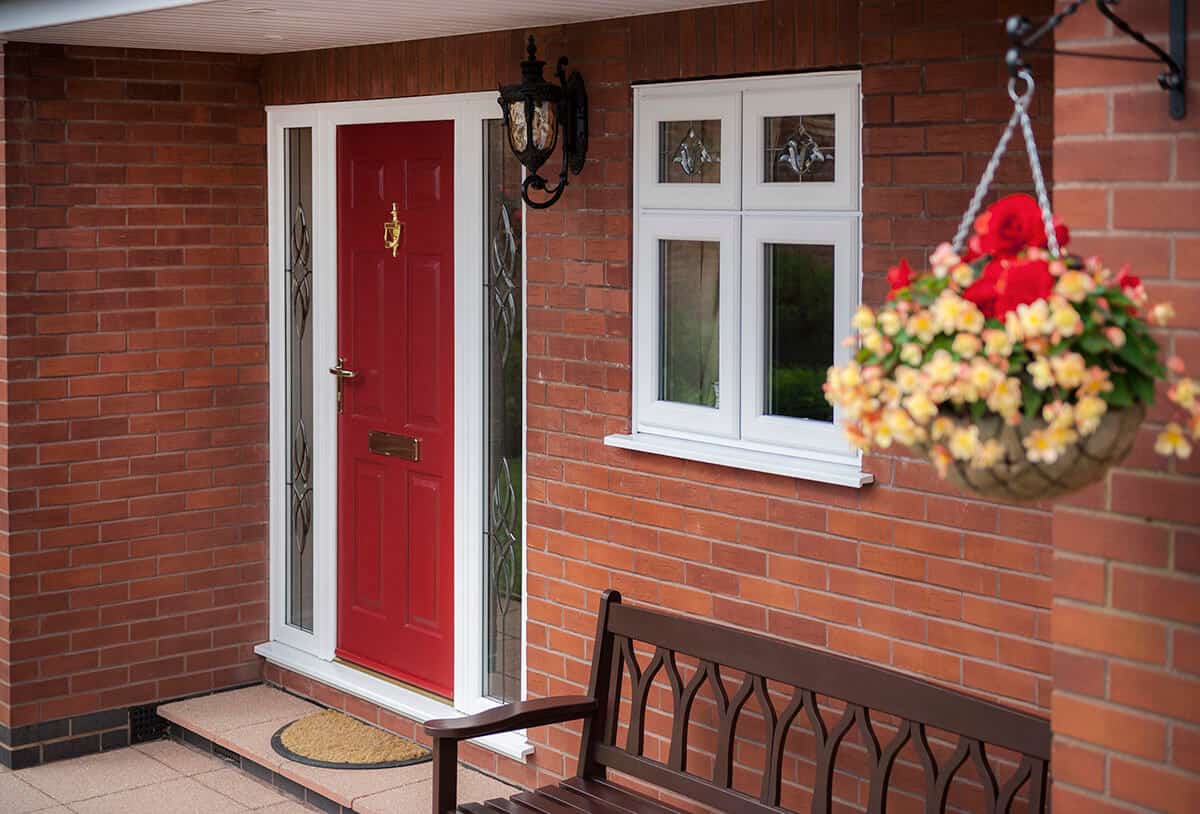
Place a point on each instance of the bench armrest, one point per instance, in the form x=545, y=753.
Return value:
x=517, y=715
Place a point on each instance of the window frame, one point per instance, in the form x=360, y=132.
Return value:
x=819, y=437
x=655, y=106
x=823, y=94
x=738, y=434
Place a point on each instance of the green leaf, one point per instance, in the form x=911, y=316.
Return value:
x=1031, y=399
x=1120, y=395
x=1143, y=388
x=1094, y=342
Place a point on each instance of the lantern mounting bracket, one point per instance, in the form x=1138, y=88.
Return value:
x=1025, y=36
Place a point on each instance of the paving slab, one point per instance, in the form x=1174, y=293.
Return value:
x=18, y=797
x=185, y=796
x=69, y=781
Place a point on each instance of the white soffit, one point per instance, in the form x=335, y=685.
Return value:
x=278, y=26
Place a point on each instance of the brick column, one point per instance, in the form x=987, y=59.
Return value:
x=1126, y=612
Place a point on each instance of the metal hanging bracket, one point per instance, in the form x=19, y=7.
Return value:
x=1173, y=80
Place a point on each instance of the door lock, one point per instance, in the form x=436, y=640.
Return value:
x=342, y=374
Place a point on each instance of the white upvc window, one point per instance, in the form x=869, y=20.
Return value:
x=746, y=270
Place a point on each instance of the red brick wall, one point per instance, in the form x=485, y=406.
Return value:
x=1126, y=613
x=135, y=338
x=903, y=573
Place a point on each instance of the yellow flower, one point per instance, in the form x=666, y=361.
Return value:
x=962, y=274
x=1184, y=393
x=1069, y=370
x=964, y=442
x=990, y=453
x=1058, y=414
x=1034, y=317
x=941, y=428
x=941, y=368
x=1062, y=435
x=875, y=342
x=997, y=343
x=1075, y=285
x=971, y=319
x=1095, y=382
x=882, y=436
x=920, y=407
x=1172, y=441
x=966, y=345
x=1006, y=397
x=907, y=379
x=863, y=319
x=1065, y=319
x=850, y=375
x=1040, y=447
x=1040, y=370
x=1088, y=412
x=901, y=425
x=912, y=354
x=1012, y=327
x=982, y=377
x=947, y=310
x=941, y=459
x=1162, y=313
x=921, y=325
x=889, y=322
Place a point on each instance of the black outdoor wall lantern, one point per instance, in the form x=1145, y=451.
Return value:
x=533, y=112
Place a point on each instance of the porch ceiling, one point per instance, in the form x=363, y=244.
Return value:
x=276, y=26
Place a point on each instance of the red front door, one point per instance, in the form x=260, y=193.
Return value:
x=396, y=334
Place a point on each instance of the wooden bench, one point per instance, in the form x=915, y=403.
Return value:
x=944, y=729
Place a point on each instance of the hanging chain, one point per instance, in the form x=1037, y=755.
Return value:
x=985, y=181
x=1039, y=181
x=1020, y=115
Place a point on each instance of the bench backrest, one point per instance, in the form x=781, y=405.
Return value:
x=832, y=696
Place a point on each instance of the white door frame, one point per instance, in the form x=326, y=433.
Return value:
x=313, y=653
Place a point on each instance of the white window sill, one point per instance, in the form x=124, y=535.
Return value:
x=390, y=696
x=793, y=466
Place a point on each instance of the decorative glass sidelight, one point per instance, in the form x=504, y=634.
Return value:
x=798, y=148
x=298, y=318
x=503, y=427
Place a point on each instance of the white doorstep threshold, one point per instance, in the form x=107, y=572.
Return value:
x=391, y=697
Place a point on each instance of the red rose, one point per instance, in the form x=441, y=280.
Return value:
x=1061, y=233
x=1023, y=282
x=1126, y=280
x=983, y=292
x=1009, y=225
x=900, y=276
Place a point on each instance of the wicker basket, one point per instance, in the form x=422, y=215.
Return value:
x=1017, y=478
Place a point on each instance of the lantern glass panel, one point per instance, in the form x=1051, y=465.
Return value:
x=518, y=133
x=545, y=126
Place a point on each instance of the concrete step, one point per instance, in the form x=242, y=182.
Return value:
x=237, y=726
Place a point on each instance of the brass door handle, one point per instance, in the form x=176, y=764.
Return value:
x=392, y=231
x=342, y=374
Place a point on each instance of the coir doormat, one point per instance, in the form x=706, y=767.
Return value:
x=333, y=740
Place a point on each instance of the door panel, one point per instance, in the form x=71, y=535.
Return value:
x=396, y=333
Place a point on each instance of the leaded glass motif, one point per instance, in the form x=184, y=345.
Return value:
x=298, y=270
x=503, y=428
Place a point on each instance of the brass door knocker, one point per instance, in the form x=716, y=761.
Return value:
x=392, y=231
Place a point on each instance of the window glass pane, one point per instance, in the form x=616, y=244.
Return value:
x=799, y=312
x=502, y=415
x=798, y=148
x=298, y=319
x=689, y=152
x=689, y=279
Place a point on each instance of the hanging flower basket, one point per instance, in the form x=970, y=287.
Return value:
x=1021, y=371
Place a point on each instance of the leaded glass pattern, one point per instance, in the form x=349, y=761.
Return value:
x=503, y=432
x=298, y=270
x=689, y=152
x=798, y=149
